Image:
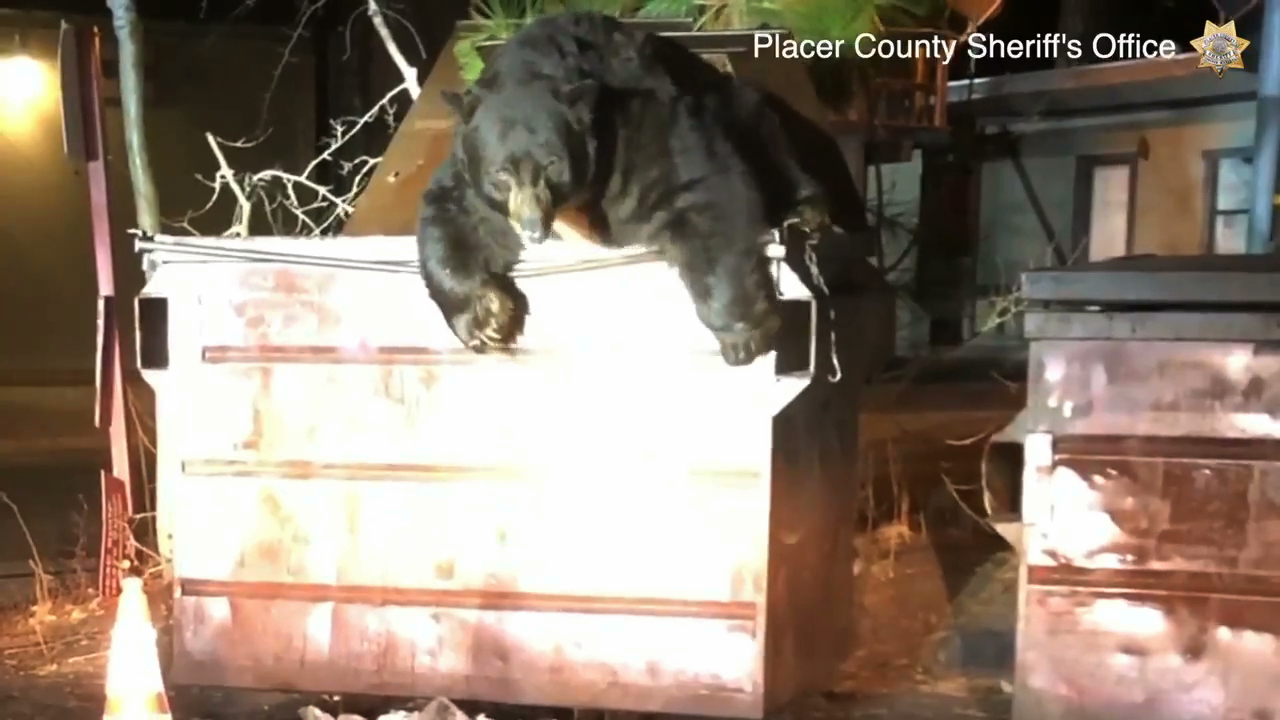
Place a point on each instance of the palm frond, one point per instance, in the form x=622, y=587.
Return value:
x=617, y=8
x=669, y=9
x=825, y=19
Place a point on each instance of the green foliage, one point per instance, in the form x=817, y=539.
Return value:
x=806, y=19
x=824, y=19
x=846, y=19
x=670, y=9
x=619, y=8
x=497, y=20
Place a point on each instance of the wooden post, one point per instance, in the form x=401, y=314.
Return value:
x=79, y=60
x=950, y=182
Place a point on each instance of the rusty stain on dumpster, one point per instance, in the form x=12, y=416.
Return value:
x=1152, y=568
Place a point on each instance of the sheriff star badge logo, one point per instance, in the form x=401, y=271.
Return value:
x=1220, y=47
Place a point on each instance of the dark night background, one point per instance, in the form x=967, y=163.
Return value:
x=1178, y=20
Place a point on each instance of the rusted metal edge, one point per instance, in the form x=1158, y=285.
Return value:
x=700, y=697
x=305, y=470
x=195, y=250
x=411, y=356
x=1182, y=449
x=1160, y=581
x=487, y=600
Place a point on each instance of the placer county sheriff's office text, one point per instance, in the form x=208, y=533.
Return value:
x=1105, y=46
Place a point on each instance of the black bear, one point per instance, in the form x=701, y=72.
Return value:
x=650, y=170
x=578, y=110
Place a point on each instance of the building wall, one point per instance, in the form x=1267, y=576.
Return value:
x=199, y=80
x=901, y=214
x=1170, y=189
x=1169, y=205
x=1012, y=236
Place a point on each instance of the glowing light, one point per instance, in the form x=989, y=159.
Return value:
x=24, y=81
x=134, y=686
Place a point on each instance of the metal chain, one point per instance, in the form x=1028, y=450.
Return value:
x=811, y=262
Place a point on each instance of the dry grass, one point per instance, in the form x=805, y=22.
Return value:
x=898, y=520
x=64, y=628
x=878, y=545
x=64, y=610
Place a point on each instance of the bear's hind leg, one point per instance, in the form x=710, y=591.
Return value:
x=808, y=206
x=733, y=294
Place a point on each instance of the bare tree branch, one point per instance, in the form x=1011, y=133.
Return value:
x=298, y=203
x=244, y=209
x=299, y=30
x=409, y=72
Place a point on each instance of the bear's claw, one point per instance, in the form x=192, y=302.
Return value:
x=810, y=214
x=740, y=348
x=491, y=323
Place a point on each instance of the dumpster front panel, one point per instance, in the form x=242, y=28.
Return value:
x=356, y=505
x=1152, y=584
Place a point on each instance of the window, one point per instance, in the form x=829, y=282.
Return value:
x=1104, y=205
x=1228, y=177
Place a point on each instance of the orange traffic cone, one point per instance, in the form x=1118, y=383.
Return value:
x=135, y=689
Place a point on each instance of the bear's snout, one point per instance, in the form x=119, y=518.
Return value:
x=532, y=229
x=530, y=212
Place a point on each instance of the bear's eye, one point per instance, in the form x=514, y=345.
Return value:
x=500, y=182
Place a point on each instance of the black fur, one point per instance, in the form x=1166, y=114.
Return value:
x=666, y=177
x=466, y=251
x=799, y=164
x=562, y=50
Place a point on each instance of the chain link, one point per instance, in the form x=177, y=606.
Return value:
x=811, y=262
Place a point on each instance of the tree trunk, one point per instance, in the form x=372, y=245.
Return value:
x=129, y=44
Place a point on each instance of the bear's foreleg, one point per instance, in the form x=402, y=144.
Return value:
x=484, y=308
x=733, y=294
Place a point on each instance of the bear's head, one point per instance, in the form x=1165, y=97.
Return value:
x=528, y=150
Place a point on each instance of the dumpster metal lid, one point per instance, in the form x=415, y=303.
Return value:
x=1183, y=281
x=1158, y=324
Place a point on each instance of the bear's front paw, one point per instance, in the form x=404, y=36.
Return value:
x=493, y=322
x=742, y=347
x=810, y=214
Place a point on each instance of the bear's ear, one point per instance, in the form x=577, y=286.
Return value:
x=462, y=104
